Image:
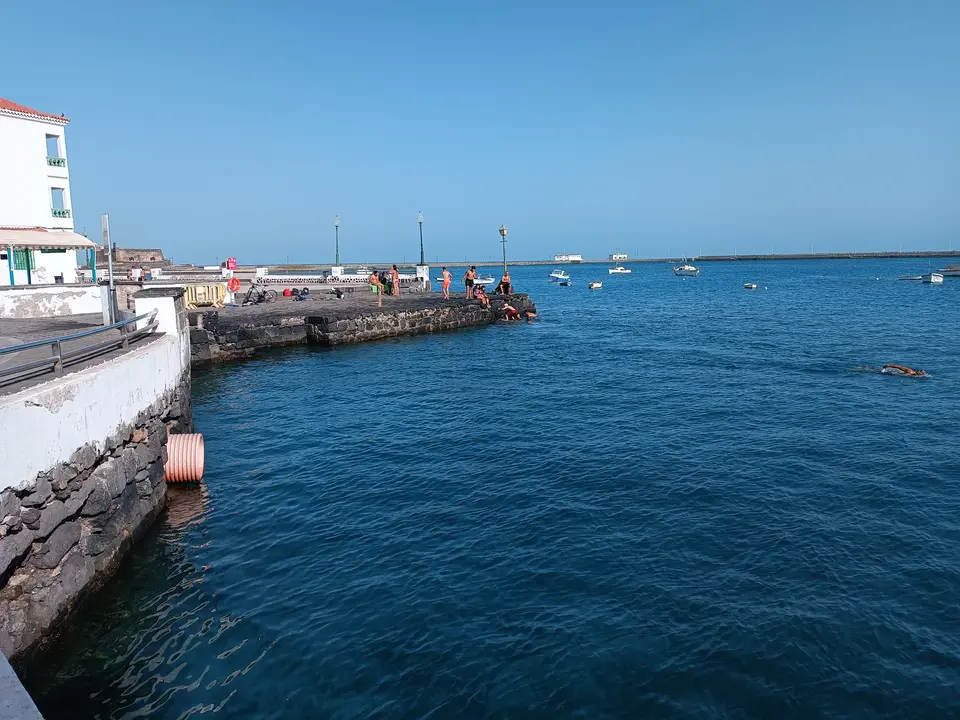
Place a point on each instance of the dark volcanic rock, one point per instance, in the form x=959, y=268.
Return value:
x=52, y=551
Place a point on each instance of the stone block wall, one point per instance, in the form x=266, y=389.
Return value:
x=214, y=339
x=376, y=326
x=63, y=533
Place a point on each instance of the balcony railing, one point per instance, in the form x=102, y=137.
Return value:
x=61, y=213
x=56, y=161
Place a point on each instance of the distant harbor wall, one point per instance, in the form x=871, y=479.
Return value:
x=82, y=475
x=221, y=336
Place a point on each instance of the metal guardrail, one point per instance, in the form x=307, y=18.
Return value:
x=60, y=359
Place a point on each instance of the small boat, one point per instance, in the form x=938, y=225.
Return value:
x=892, y=369
x=478, y=281
x=619, y=270
x=559, y=275
x=566, y=283
x=595, y=285
x=910, y=277
x=686, y=271
x=950, y=271
x=749, y=286
x=933, y=278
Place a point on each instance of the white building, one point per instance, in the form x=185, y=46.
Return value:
x=568, y=258
x=37, y=241
x=618, y=256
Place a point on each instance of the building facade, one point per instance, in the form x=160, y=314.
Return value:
x=37, y=240
x=618, y=256
x=574, y=258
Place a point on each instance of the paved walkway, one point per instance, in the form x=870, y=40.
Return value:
x=16, y=331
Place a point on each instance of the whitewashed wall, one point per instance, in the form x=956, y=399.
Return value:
x=25, y=177
x=54, y=300
x=45, y=424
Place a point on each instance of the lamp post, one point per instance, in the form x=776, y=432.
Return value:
x=503, y=241
x=336, y=230
x=420, y=223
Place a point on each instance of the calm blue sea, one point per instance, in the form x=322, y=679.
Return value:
x=671, y=498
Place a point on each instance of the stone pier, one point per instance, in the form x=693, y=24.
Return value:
x=235, y=333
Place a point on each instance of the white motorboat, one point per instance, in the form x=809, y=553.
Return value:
x=686, y=271
x=619, y=270
x=595, y=285
x=478, y=281
x=559, y=275
x=749, y=286
x=933, y=278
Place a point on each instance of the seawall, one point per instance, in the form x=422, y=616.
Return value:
x=82, y=478
x=236, y=333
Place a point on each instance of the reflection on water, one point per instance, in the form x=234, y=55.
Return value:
x=147, y=621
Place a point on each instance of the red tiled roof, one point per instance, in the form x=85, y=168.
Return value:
x=18, y=227
x=24, y=110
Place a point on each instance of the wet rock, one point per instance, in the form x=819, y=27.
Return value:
x=50, y=553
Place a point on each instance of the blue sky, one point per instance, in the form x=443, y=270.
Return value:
x=241, y=128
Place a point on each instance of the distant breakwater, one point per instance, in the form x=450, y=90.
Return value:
x=236, y=333
x=697, y=258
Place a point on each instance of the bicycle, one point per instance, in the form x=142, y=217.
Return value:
x=258, y=294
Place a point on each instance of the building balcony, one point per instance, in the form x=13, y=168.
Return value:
x=61, y=213
x=56, y=161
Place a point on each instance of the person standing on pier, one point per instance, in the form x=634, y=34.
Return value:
x=447, y=279
x=377, y=287
x=395, y=277
x=468, y=277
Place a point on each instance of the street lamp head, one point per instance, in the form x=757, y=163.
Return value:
x=503, y=231
x=336, y=221
x=420, y=217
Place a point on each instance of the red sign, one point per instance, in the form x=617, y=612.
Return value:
x=231, y=263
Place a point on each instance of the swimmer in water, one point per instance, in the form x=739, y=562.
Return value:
x=892, y=369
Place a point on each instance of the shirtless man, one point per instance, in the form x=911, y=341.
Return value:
x=377, y=287
x=468, y=277
x=395, y=276
x=447, y=279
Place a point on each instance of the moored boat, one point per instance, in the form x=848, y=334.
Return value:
x=559, y=275
x=749, y=286
x=595, y=285
x=619, y=270
x=686, y=270
x=932, y=278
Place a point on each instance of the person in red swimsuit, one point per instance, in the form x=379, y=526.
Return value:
x=447, y=278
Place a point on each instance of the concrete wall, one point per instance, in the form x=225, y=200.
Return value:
x=82, y=473
x=47, y=301
x=25, y=176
